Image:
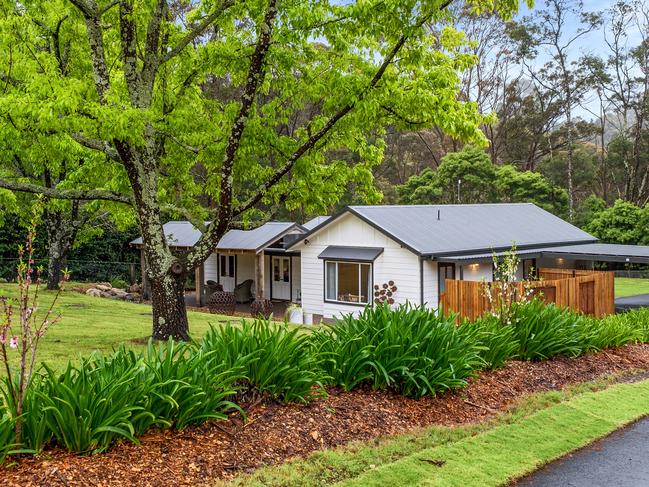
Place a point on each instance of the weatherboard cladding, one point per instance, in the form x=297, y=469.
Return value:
x=433, y=230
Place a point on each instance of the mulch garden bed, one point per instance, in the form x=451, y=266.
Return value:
x=274, y=432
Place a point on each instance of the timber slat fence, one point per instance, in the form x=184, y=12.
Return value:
x=587, y=291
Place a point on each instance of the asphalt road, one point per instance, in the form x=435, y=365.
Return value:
x=631, y=302
x=620, y=460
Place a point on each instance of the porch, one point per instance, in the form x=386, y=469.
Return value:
x=241, y=310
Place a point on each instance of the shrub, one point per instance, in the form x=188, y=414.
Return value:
x=274, y=359
x=615, y=330
x=414, y=351
x=495, y=343
x=107, y=398
x=638, y=319
x=188, y=385
x=7, y=435
x=545, y=330
x=119, y=283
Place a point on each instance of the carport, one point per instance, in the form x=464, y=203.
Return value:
x=601, y=252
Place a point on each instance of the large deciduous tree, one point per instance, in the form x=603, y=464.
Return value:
x=548, y=37
x=219, y=108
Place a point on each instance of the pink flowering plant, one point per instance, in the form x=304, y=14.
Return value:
x=22, y=327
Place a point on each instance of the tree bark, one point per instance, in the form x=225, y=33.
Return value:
x=169, y=312
x=61, y=233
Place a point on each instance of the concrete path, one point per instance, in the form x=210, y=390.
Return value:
x=620, y=460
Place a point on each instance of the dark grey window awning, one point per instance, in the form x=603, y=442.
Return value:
x=351, y=254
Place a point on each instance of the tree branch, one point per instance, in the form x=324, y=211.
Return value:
x=197, y=31
x=129, y=53
x=95, y=36
x=255, y=75
x=99, y=145
x=152, y=45
x=67, y=194
x=313, y=140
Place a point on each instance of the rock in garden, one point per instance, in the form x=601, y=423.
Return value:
x=104, y=287
x=93, y=292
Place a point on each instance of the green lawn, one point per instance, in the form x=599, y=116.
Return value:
x=90, y=324
x=625, y=286
x=544, y=427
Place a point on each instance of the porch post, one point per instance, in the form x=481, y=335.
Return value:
x=259, y=276
x=198, y=275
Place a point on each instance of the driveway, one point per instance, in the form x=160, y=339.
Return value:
x=618, y=460
x=631, y=302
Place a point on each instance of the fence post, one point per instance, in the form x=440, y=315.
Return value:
x=132, y=275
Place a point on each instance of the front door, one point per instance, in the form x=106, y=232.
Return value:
x=281, y=278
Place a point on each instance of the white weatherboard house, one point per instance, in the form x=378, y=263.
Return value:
x=331, y=264
x=419, y=246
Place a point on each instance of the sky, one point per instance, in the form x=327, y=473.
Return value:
x=592, y=43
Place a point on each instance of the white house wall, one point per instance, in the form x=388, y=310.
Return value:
x=211, y=268
x=296, y=278
x=431, y=283
x=395, y=263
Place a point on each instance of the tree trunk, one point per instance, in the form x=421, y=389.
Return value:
x=61, y=233
x=57, y=259
x=169, y=312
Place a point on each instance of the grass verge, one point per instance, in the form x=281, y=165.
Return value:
x=627, y=286
x=541, y=428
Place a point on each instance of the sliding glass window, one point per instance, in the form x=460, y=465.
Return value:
x=348, y=282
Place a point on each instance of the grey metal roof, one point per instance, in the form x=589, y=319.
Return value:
x=602, y=251
x=256, y=239
x=443, y=229
x=356, y=254
x=184, y=234
x=588, y=251
x=178, y=234
x=314, y=222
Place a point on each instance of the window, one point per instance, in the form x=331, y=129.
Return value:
x=223, y=267
x=286, y=270
x=529, y=269
x=445, y=271
x=348, y=282
x=231, y=265
x=227, y=265
x=281, y=269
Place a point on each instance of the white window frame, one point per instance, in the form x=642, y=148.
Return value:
x=360, y=284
